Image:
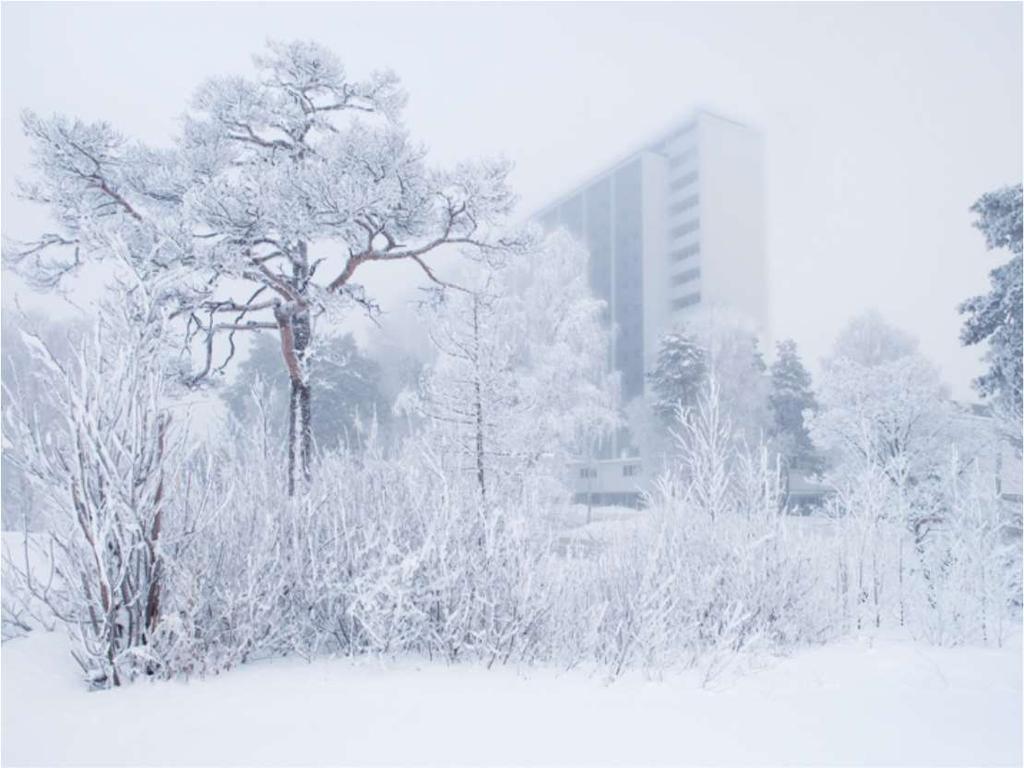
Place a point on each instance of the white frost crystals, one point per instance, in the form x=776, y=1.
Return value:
x=286, y=183
x=165, y=554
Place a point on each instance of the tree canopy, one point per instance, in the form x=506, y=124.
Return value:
x=278, y=189
x=995, y=317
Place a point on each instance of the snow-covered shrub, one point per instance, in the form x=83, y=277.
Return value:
x=414, y=560
x=383, y=555
x=966, y=571
x=398, y=552
x=102, y=476
x=921, y=541
x=717, y=570
x=231, y=582
x=868, y=536
x=944, y=565
x=27, y=572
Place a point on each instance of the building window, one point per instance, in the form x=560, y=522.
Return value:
x=685, y=229
x=685, y=253
x=684, y=205
x=630, y=470
x=686, y=301
x=683, y=181
x=687, y=276
x=588, y=473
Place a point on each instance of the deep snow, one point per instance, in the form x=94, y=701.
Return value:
x=891, y=702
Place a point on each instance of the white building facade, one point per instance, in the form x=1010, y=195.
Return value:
x=675, y=230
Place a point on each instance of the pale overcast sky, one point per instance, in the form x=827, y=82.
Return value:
x=882, y=122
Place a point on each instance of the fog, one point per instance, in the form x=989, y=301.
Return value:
x=301, y=454
x=882, y=122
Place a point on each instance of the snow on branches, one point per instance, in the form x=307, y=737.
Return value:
x=286, y=184
x=520, y=375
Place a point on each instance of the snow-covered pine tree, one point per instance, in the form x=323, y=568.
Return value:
x=678, y=375
x=996, y=315
x=277, y=192
x=728, y=351
x=791, y=396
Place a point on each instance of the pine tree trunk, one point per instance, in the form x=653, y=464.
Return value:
x=300, y=435
x=295, y=337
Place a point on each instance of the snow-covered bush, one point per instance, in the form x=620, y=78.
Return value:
x=396, y=552
x=716, y=570
x=412, y=559
x=948, y=571
x=102, y=476
x=384, y=555
x=966, y=566
x=921, y=541
x=744, y=575
x=858, y=513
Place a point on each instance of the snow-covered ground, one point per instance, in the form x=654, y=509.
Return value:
x=887, y=702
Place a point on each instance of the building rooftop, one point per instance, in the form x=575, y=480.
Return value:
x=675, y=128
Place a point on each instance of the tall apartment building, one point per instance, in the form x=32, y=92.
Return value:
x=674, y=229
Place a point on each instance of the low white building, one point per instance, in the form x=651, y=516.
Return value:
x=609, y=482
x=625, y=481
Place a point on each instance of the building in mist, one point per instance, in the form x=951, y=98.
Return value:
x=675, y=229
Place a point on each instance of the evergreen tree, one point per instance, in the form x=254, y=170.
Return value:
x=348, y=391
x=791, y=396
x=678, y=375
x=996, y=315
